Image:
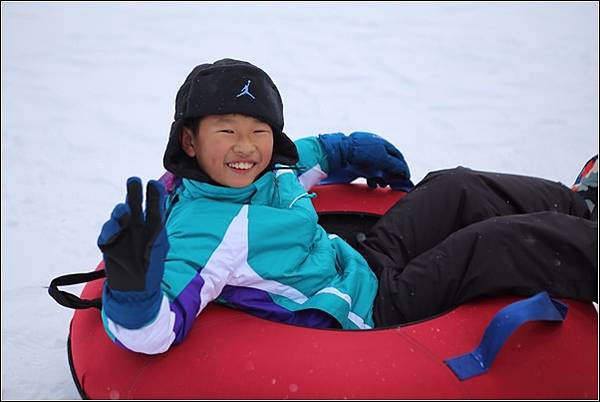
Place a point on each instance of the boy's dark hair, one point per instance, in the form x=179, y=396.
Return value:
x=226, y=87
x=192, y=124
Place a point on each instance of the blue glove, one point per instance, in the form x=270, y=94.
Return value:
x=365, y=155
x=134, y=248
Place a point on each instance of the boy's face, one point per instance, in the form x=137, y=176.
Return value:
x=233, y=149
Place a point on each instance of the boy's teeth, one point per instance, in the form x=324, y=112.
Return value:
x=241, y=165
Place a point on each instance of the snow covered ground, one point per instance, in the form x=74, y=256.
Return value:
x=88, y=92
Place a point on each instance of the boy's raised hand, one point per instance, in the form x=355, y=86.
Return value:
x=134, y=247
x=365, y=155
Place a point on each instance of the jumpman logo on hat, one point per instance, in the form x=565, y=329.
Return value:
x=246, y=91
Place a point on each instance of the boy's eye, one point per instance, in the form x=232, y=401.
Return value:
x=225, y=131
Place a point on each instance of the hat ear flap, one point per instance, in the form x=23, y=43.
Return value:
x=284, y=150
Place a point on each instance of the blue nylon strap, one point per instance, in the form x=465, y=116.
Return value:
x=539, y=307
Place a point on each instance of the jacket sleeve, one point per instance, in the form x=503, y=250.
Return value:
x=181, y=303
x=188, y=285
x=312, y=165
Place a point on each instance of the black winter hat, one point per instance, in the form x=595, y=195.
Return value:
x=224, y=87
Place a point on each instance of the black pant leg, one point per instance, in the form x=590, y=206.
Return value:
x=515, y=254
x=448, y=200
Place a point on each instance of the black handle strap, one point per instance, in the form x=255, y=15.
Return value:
x=70, y=300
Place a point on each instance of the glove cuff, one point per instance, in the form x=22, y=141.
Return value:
x=335, y=146
x=131, y=309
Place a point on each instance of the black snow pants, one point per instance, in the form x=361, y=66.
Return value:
x=462, y=234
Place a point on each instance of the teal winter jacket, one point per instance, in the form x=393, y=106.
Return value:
x=257, y=248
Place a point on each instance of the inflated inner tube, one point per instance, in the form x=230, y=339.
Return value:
x=230, y=354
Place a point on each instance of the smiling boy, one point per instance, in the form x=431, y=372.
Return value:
x=240, y=229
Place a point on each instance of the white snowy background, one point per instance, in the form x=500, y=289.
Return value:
x=88, y=92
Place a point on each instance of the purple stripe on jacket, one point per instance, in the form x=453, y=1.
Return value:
x=185, y=307
x=258, y=302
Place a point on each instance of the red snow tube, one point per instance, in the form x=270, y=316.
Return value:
x=230, y=354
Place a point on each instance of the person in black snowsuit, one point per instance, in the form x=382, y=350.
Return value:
x=462, y=234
